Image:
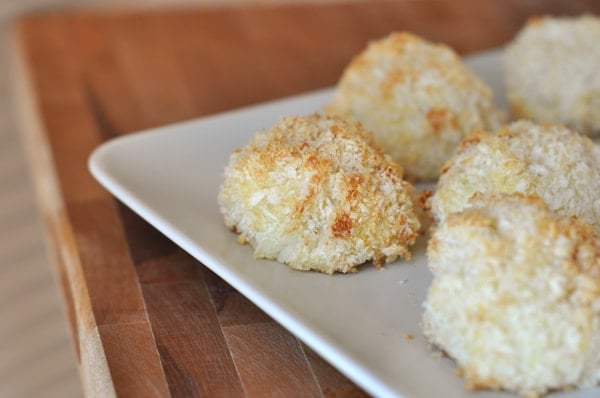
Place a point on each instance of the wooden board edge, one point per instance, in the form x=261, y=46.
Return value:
x=63, y=257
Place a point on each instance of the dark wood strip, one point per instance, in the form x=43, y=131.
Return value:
x=271, y=362
x=332, y=382
x=134, y=364
x=176, y=267
x=145, y=242
x=231, y=306
x=193, y=350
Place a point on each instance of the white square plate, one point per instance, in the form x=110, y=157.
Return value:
x=359, y=322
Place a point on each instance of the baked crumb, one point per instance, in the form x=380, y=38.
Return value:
x=436, y=354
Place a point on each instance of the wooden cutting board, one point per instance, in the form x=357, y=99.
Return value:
x=147, y=319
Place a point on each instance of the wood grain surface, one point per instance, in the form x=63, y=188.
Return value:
x=146, y=318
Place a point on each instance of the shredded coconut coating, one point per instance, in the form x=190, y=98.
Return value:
x=417, y=98
x=553, y=162
x=551, y=72
x=314, y=193
x=515, y=297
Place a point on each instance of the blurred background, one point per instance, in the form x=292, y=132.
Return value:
x=36, y=356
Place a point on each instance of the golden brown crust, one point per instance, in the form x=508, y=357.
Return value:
x=536, y=20
x=342, y=226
